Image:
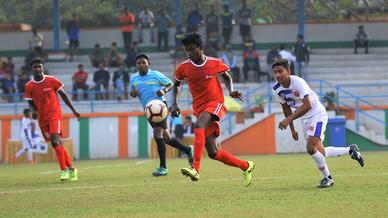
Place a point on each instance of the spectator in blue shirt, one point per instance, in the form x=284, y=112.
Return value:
x=230, y=59
x=227, y=18
x=194, y=20
x=73, y=34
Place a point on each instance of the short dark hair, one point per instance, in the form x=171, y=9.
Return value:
x=142, y=55
x=36, y=60
x=281, y=62
x=193, y=38
x=80, y=65
x=26, y=111
x=300, y=36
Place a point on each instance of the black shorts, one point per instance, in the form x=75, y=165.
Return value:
x=162, y=124
x=73, y=43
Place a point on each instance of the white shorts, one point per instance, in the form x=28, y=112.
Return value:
x=315, y=126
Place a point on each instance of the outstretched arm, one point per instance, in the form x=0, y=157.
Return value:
x=287, y=112
x=166, y=89
x=67, y=101
x=229, y=85
x=175, y=111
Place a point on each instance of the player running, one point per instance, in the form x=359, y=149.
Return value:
x=293, y=91
x=151, y=85
x=208, y=103
x=41, y=94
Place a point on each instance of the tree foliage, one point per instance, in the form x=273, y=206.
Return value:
x=96, y=13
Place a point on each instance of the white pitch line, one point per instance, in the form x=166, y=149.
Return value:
x=174, y=182
x=143, y=161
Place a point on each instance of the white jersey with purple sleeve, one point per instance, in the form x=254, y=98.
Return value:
x=294, y=94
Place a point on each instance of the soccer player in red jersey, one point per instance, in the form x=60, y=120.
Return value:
x=201, y=74
x=41, y=94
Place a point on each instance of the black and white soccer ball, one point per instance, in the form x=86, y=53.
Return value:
x=156, y=111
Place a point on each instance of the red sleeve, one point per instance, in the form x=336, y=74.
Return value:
x=56, y=84
x=27, y=92
x=179, y=73
x=221, y=67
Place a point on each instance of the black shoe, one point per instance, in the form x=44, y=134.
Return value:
x=326, y=182
x=355, y=154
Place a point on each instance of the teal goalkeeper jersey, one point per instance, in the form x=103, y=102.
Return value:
x=148, y=84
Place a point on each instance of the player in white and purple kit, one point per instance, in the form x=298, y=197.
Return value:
x=294, y=92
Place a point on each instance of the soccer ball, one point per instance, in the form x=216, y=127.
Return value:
x=155, y=111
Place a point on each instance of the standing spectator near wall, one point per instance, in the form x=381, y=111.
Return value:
x=120, y=82
x=245, y=20
x=21, y=82
x=37, y=41
x=361, y=39
x=194, y=20
x=179, y=35
x=130, y=59
x=227, y=18
x=127, y=21
x=302, y=56
x=272, y=56
x=230, y=59
x=114, y=58
x=101, y=80
x=287, y=55
x=211, y=22
x=72, y=30
x=163, y=22
x=8, y=87
x=146, y=21
x=79, y=82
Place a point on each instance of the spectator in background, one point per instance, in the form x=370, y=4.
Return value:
x=251, y=62
x=146, y=21
x=302, y=56
x=245, y=20
x=188, y=127
x=114, y=58
x=79, y=82
x=120, y=82
x=227, y=18
x=211, y=22
x=21, y=82
x=127, y=21
x=272, y=56
x=194, y=20
x=37, y=41
x=361, y=39
x=72, y=30
x=101, y=80
x=8, y=87
x=213, y=40
x=249, y=43
x=130, y=59
x=163, y=22
x=230, y=59
x=97, y=56
x=9, y=66
x=176, y=126
x=179, y=35
x=32, y=53
x=287, y=55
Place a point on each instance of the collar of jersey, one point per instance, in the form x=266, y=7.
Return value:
x=44, y=77
x=201, y=65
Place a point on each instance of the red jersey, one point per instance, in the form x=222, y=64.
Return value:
x=203, y=82
x=124, y=19
x=80, y=77
x=44, y=95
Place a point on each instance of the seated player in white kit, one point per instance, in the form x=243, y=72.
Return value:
x=293, y=91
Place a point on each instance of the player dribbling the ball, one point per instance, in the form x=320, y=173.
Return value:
x=151, y=85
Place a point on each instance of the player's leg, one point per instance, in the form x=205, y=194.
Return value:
x=316, y=150
x=352, y=150
x=158, y=136
x=173, y=142
x=204, y=120
x=55, y=142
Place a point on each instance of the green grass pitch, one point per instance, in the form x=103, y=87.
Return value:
x=283, y=186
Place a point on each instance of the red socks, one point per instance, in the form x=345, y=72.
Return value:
x=67, y=158
x=61, y=156
x=199, y=145
x=228, y=159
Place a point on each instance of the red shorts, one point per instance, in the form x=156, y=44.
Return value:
x=216, y=108
x=52, y=127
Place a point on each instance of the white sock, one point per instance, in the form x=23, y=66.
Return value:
x=20, y=152
x=29, y=154
x=321, y=163
x=336, y=151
